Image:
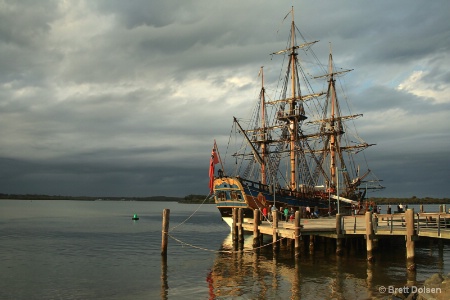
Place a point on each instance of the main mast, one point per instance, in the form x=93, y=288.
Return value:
x=293, y=121
x=333, y=137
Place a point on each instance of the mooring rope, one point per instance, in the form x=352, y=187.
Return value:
x=196, y=247
x=187, y=219
x=211, y=250
x=225, y=251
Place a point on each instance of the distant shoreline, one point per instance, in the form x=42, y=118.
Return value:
x=83, y=198
x=201, y=199
x=186, y=199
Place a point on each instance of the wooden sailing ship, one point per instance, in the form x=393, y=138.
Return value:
x=297, y=150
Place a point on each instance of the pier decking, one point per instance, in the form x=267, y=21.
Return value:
x=408, y=225
x=434, y=225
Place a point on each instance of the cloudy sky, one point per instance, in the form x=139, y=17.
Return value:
x=125, y=98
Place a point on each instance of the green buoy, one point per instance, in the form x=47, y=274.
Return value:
x=135, y=217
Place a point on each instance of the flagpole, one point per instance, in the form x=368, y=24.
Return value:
x=218, y=154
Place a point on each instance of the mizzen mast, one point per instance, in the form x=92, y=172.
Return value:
x=335, y=126
x=333, y=137
x=263, y=129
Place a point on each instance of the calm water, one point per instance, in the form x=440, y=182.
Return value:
x=93, y=250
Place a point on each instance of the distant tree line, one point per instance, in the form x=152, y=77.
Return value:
x=197, y=199
x=86, y=198
x=412, y=200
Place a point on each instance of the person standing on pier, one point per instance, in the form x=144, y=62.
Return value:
x=291, y=214
x=264, y=213
x=286, y=214
x=316, y=212
x=272, y=209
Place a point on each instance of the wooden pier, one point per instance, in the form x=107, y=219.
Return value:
x=409, y=226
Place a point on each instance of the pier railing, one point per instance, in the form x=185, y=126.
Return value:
x=433, y=225
x=425, y=224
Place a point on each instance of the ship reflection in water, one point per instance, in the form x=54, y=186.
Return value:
x=319, y=275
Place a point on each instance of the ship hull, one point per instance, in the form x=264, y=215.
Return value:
x=235, y=192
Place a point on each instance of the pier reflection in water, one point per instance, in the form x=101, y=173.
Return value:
x=264, y=274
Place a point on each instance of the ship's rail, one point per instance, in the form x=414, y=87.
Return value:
x=302, y=194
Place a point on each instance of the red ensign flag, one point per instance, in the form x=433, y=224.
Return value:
x=213, y=161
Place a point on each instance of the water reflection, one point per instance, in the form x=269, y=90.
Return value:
x=164, y=282
x=319, y=274
x=265, y=275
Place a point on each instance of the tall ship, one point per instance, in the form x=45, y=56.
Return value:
x=299, y=148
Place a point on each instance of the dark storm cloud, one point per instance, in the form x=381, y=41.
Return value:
x=377, y=99
x=126, y=98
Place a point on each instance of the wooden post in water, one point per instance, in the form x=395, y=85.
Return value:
x=312, y=239
x=339, y=248
x=369, y=236
x=256, y=222
x=240, y=227
x=410, y=251
x=297, y=233
x=165, y=231
x=374, y=228
x=275, y=234
x=234, y=228
x=164, y=282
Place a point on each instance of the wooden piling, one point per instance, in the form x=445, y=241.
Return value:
x=240, y=226
x=274, y=231
x=164, y=282
x=312, y=239
x=369, y=236
x=256, y=222
x=339, y=248
x=374, y=229
x=297, y=233
x=410, y=250
x=165, y=231
x=234, y=228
